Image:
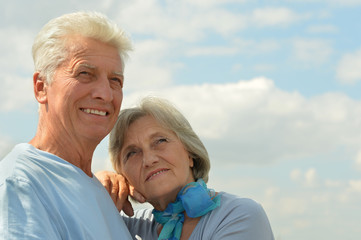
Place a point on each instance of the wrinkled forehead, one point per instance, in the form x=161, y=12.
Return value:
x=77, y=44
x=94, y=54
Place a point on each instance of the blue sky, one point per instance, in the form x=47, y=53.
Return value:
x=271, y=87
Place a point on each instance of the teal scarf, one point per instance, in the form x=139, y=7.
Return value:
x=195, y=199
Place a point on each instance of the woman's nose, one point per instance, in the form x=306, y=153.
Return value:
x=149, y=159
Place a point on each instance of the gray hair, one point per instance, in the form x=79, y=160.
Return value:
x=49, y=48
x=168, y=117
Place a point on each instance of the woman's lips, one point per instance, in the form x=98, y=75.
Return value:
x=155, y=173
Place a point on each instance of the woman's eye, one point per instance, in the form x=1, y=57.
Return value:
x=161, y=140
x=129, y=154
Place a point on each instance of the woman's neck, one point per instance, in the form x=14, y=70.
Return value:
x=160, y=203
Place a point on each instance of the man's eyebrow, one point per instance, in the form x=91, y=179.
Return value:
x=87, y=65
x=120, y=74
x=117, y=73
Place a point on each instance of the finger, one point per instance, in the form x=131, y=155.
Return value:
x=123, y=190
x=114, y=189
x=136, y=195
x=104, y=180
x=122, y=194
x=128, y=208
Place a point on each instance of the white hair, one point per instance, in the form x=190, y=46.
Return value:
x=49, y=48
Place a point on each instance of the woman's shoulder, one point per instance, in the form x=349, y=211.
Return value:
x=238, y=211
x=228, y=197
x=245, y=205
x=235, y=218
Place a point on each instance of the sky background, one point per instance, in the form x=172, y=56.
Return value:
x=271, y=87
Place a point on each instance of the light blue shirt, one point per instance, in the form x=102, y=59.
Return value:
x=44, y=197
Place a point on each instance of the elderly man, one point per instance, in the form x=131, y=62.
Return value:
x=47, y=188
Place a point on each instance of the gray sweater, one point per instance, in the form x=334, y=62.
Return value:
x=236, y=218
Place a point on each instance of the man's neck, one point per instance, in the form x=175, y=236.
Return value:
x=80, y=155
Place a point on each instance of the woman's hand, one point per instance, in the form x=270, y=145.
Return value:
x=119, y=190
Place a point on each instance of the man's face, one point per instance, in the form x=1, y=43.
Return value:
x=84, y=99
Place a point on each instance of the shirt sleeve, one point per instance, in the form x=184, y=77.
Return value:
x=243, y=219
x=22, y=213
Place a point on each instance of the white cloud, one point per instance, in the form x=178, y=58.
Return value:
x=322, y=29
x=349, y=68
x=312, y=51
x=307, y=178
x=293, y=206
x=248, y=115
x=16, y=93
x=310, y=177
x=264, y=67
x=15, y=50
x=236, y=47
x=15, y=68
x=296, y=175
x=6, y=145
x=351, y=192
x=147, y=67
x=358, y=161
x=271, y=192
x=265, y=17
x=333, y=183
x=212, y=3
x=355, y=185
x=179, y=20
x=191, y=21
x=213, y=51
x=237, y=67
x=338, y=3
x=346, y=3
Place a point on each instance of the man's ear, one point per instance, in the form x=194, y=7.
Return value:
x=40, y=88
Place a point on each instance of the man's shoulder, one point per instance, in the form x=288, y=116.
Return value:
x=26, y=164
x=12, y=161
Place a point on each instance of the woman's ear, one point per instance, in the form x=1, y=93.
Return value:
x=40, y=88
x=191, y=161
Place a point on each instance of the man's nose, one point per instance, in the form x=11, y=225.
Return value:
x=102, y=89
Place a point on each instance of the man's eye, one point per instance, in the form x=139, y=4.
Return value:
x=118, y=81
x=84, y=73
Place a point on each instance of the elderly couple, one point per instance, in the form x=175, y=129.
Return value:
x=47, y=188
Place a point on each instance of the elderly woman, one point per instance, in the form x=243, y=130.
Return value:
x=154, y=147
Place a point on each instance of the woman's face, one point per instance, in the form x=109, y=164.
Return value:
x=155, y=162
